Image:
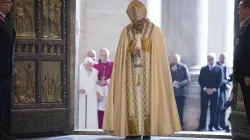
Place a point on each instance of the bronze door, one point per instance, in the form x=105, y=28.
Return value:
x=40, y=93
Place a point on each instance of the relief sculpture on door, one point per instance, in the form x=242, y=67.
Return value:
x=24, y=86
x=51, y=81
x=24, y=18
x=52, y=18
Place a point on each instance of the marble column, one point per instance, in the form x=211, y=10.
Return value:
x=154, y=11
x=185, y=25
x=221, y=28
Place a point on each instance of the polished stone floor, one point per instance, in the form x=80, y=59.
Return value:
x=92, y=137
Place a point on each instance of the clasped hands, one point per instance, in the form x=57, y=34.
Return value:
x=101, y=83
x=136, y=52
x=210, y=91
x=247, y=81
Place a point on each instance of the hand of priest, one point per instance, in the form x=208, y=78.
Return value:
x=82, y=91
x=136, y=52
x=101, y=83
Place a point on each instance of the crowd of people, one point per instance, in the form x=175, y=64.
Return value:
x=214, y=79
x=215, y=84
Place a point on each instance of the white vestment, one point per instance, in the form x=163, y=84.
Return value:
x=88, y=101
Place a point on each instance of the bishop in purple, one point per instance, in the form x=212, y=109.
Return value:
x=104, y=68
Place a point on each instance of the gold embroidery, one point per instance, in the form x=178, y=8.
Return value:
x=131, y=46
x=147, y=125
x=133, y=127
x=146, y=45
x=138, y=80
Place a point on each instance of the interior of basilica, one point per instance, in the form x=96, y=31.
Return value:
x=54, y=36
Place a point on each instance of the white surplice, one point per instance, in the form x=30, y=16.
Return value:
x=88, y=101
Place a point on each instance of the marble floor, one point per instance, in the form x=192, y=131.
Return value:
x=92, y=137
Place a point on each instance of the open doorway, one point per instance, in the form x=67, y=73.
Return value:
x=99, y=26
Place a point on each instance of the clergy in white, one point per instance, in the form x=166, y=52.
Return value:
x=89, y=95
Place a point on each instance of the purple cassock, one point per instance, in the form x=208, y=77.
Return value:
x=104, y=72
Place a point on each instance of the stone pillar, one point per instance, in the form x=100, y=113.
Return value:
x=101, y=25
x=221, y=28
x=185, y=25
x=154, y=11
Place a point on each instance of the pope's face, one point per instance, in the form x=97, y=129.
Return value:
x=88, y=66
x=138, y=24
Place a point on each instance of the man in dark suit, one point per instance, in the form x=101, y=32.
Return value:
x=7, y=50
x=210, y=80
x=242, y=54
x=180, y=77
x=221, y=112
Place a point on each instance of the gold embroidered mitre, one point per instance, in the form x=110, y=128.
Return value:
x=136, y=10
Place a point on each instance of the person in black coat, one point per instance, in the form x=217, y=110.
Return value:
x=7, y=50
x=221, y=113
x=180, y=77
x=241, y=64
x=210, y=80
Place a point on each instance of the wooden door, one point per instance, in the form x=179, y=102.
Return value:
x=40, y=93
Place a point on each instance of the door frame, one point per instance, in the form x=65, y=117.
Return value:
x=73, y=80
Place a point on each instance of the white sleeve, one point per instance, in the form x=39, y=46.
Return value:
x=99, y=90
x=108, y=81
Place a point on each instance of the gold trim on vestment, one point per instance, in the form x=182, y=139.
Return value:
x=131, y=46
x=146, y=45
x=131, y=93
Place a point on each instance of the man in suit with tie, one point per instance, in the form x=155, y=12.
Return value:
x=210, y=80
x=180, y=77
x=221, y=112
x=241, y=64
x=7, y=50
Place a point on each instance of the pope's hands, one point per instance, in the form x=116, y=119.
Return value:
x=82, y=91
x=136, y=52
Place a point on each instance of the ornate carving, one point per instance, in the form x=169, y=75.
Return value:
x=240, y=125
x=51, y=50
x=24, y=18
x=239, y=100
x=26, y=49
x=58, y=50
x=24, y=84
x=52, y=18
x=39, y=121
x=51, y=81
